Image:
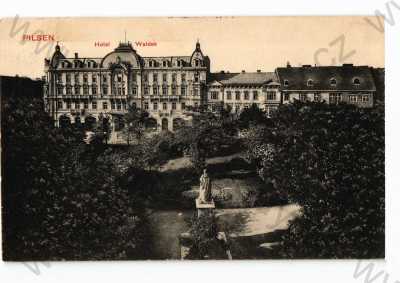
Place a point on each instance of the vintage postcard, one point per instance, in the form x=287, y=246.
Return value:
x=192, y=138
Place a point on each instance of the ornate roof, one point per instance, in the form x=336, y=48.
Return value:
x=257, y=78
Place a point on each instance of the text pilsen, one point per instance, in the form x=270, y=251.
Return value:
x=38, y=37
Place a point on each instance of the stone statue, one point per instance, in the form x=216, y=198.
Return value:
x=205, y=188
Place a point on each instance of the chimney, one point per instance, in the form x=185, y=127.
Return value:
x=76, y=55
x=258, y=71
x=222, y=72
x=243, y=71
x=288, y=64
x=306, y=66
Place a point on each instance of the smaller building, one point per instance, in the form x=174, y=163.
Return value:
x=239, y=91
x=333, y=84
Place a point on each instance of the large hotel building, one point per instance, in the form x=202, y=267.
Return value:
x=87, y=90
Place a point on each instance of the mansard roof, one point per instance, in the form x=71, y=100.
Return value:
x=257, y=78
x=339, y=78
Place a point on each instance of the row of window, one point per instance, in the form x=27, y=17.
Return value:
x=246, y=95
x=179, y=63
x=79, y=64
x=333, y=97
x=164, y=106
x=332, y=81
x=118, y=104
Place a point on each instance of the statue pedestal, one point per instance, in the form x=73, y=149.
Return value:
x=204, y=208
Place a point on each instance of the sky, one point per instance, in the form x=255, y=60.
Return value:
x=232, y=43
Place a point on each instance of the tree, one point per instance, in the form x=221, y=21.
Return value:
x=134, y=124
x=329, y=159
x=252, y=116
x=62, y=199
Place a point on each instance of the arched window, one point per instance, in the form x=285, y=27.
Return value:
x=333, y=82
x=310, y=82
x=356, y=81
x=286, y=83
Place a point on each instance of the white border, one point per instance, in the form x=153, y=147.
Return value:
x=240, y=271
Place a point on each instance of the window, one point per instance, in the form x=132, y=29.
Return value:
x=164, y=90
x=237, y=95
x=303, y=97
x=119, y=91
x=77, y=89
x=286, y=96
x=353, y=98
x=286, y=83
x=146, y=106
x=94, y=79
x=77, y=105
x=174, y=78
x=246, y=95
x=68, y=104
x=164, y=63
x=155, y=77
x=164, y=78
x=104, y=78
x=196, y=104
x=59, y=77
x=105, y=105
x=119, y=105
x=155, y=106
x=85, y=78
x=335, y=98
x=173, y=90
x=134, y=77
x=228, y=95
x=76, y=78
x=69, y=90
x=183, y=105
x=59, y=104
x=183, y=78
x=68, y=78
x=155, y=90
x=85, y=89
x=356, y=81
x=195, y=92
x=86, y=105
x=317, y=97
x=214, y=95
x=105, y=90
x=255, y=95
x=237, y=107
x=173, y=106
x=365, y=98
x=134, y=90
x=271, y=95
x=94, y=105
x=196, y=77
x=146, y=90
x=146, y=78
x=333, y=82
x=94, y=90
x=310, y=83
x=183, y=90
x=60, y=90
x=124, y=105
x=112, y=104
x=164, y=106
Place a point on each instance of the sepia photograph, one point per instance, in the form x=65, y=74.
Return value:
x=192, y=138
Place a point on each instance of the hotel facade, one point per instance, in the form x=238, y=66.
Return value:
x=88, y=90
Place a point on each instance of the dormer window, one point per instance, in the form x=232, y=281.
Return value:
x=356, y=81
x=62, y=64
x=151, y=63
x=333, y=82
x=178, y=63
x=310, y=83
x=286, y=83
x=89, y=64
x=165, y=63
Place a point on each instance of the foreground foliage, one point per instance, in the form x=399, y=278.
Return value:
x=330, y=160
x=62, y=198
